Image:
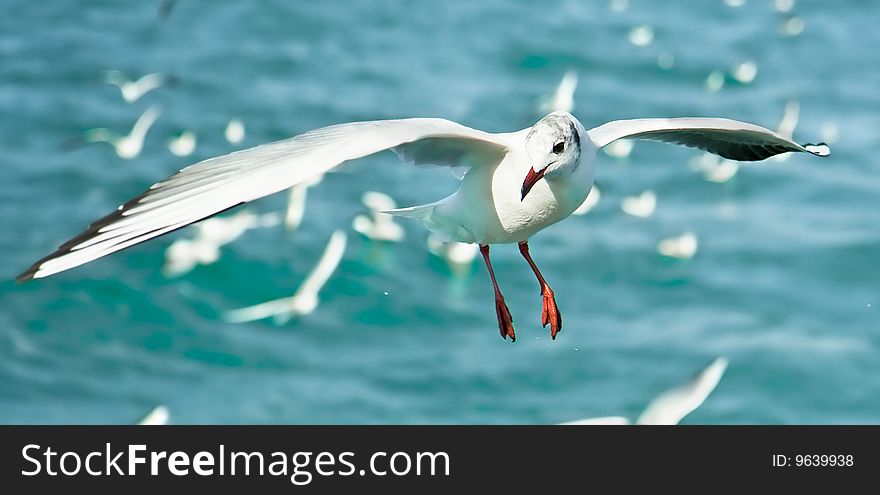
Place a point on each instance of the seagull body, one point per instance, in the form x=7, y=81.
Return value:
x=670, y=407
x=517, y=183
x=132, y=91
x=128, y=146
x=305, y=299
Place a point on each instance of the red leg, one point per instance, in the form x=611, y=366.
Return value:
x=549, y=310
x=505, y=322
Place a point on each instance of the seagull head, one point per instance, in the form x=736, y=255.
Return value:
x=554, y=148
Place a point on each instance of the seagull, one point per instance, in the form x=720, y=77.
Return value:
x=670, y=407
x=130, y=145
x=682, y=247
x=305, y=299
x=715, y=169
x=183, y=144
x=204, y=248
x=158, y=416
x=234, y=132
x=378, y=225
x=132, y=91
x=563, y=98
x=459, y=256
x=641, y=206
x=518, y=183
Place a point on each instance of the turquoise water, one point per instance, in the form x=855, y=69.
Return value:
x=785, y=281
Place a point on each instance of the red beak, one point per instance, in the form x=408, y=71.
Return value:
x=532, y=178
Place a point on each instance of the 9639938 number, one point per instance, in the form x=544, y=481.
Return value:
x=819, y=460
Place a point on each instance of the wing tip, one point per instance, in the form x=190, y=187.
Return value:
x=29, y=274
x=819, y=149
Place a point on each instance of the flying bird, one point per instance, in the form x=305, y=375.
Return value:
x=305, y=299
x=126, y=146
x=132, y=91
x=670, y=407
x=378, y=225
x=204, y=247
x=518, y=183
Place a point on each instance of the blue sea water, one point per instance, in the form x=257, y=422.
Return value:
x=785, y=282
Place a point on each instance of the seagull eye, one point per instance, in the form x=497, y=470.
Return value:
x=558, y=147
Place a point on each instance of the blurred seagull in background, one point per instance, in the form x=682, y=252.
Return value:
x=517, y=183
x=234, y=132
x=682, y=247
x=378, y=225
x=204, y=247
x=132, y=91
x=715, y=169
x=158, y=416
x=670, y=407
x=305, y=299
x=459, y=256
x=183, y=144
x=641, y=206
x=128, y=146
x=563, y=98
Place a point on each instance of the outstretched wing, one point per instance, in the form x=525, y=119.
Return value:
x=217, y=184
x=728, y=138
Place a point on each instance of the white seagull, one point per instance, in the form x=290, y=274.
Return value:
x=183, y=144
x=132, y=91
x=670, y=407
x=518, y=183
x=128, y=146
x=459, y=256
x=378, y=225
x=641, y=206
x=305, y=299
x=204, y=247
x=234, y=132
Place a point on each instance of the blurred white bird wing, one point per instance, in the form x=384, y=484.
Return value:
x=144, y=122
x=727, y=138
x=217, y=184
x=319, y=275
x=149, y=82
x=260, y=311
x=672, y=406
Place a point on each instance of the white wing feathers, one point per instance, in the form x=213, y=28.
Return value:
x=728, y=138
x=217, y=184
